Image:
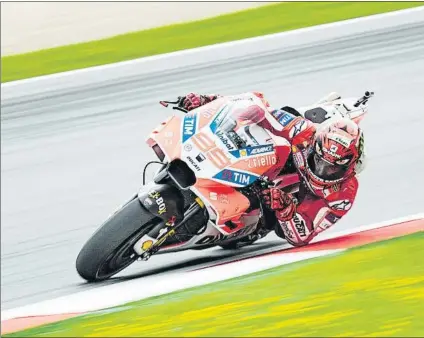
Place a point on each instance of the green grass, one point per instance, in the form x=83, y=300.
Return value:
x=373, y=290
x=244, y=24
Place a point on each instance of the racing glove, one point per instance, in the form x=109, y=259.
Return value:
x=282, y=203
x=193, y=100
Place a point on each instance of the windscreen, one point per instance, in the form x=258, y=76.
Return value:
x=235, y=120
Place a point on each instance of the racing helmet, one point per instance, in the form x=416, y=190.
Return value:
x=334, y=153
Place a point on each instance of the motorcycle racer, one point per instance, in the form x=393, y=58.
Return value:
x=327, y=159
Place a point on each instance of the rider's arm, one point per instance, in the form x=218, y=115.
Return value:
x=314, y=214
x=194, y=100
x=296, y=129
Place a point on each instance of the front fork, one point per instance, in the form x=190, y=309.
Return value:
x=151, y=243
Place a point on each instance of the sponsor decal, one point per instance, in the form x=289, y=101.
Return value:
x=188, y=147
x=332, y=151
x=298, y=127
x=148, y=201
x=147, y=245
x=189, y=126
x=162, y=232
x=260, y=150
x=243, y=152
x=277, y=113
x=236, y=177
x=225, y=140
x=171, y=221
x=287, y=232
x=193, y=163
x=159, y=201
x=222, y=198
x=298, y=160
x=200, y=157
x=334, y=188
x=300, y=225
x=213, y=196
x=334, y=148
x=344, y=141
x=262, y=161
x=283, y=117
x=241, y=99
x=147, y=242
x=256, y=150
x=343, y=205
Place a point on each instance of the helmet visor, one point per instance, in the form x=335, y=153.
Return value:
x=326, y=170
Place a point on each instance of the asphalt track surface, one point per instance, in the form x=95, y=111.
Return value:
x=70, y=158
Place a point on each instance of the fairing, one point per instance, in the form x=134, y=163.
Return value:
x=224, y=148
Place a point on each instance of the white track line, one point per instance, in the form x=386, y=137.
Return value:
x=382, y=224
x=118, y=294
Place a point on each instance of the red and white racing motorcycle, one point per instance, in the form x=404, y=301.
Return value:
x=206, y=191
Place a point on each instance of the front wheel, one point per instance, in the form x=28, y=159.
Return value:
x=110, y=248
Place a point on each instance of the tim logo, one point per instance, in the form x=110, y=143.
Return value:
x=189, y=126
x=236, y=177
x=227, y=175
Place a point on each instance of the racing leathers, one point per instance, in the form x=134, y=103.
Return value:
x=315, y=207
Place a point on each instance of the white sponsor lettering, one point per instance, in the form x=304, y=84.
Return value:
x=241, y=178
x=263, y=161
x=159, y=201
x=261, y=150
x=161, y=204
x=188, y=126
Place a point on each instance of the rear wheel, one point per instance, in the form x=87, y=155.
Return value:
x=110, y=248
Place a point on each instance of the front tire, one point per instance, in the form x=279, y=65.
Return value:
x=110, y=248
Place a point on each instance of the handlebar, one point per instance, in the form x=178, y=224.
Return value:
x=178, y=103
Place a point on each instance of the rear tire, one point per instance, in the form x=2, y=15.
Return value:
x=110, y=248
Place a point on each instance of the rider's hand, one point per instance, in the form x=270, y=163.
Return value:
x=192, y=101
x=280, y=202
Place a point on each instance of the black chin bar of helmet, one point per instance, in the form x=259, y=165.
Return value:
x=364, y=99
x=178, y=103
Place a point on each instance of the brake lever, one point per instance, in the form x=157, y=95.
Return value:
x=179, y=104
x=167, y=103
